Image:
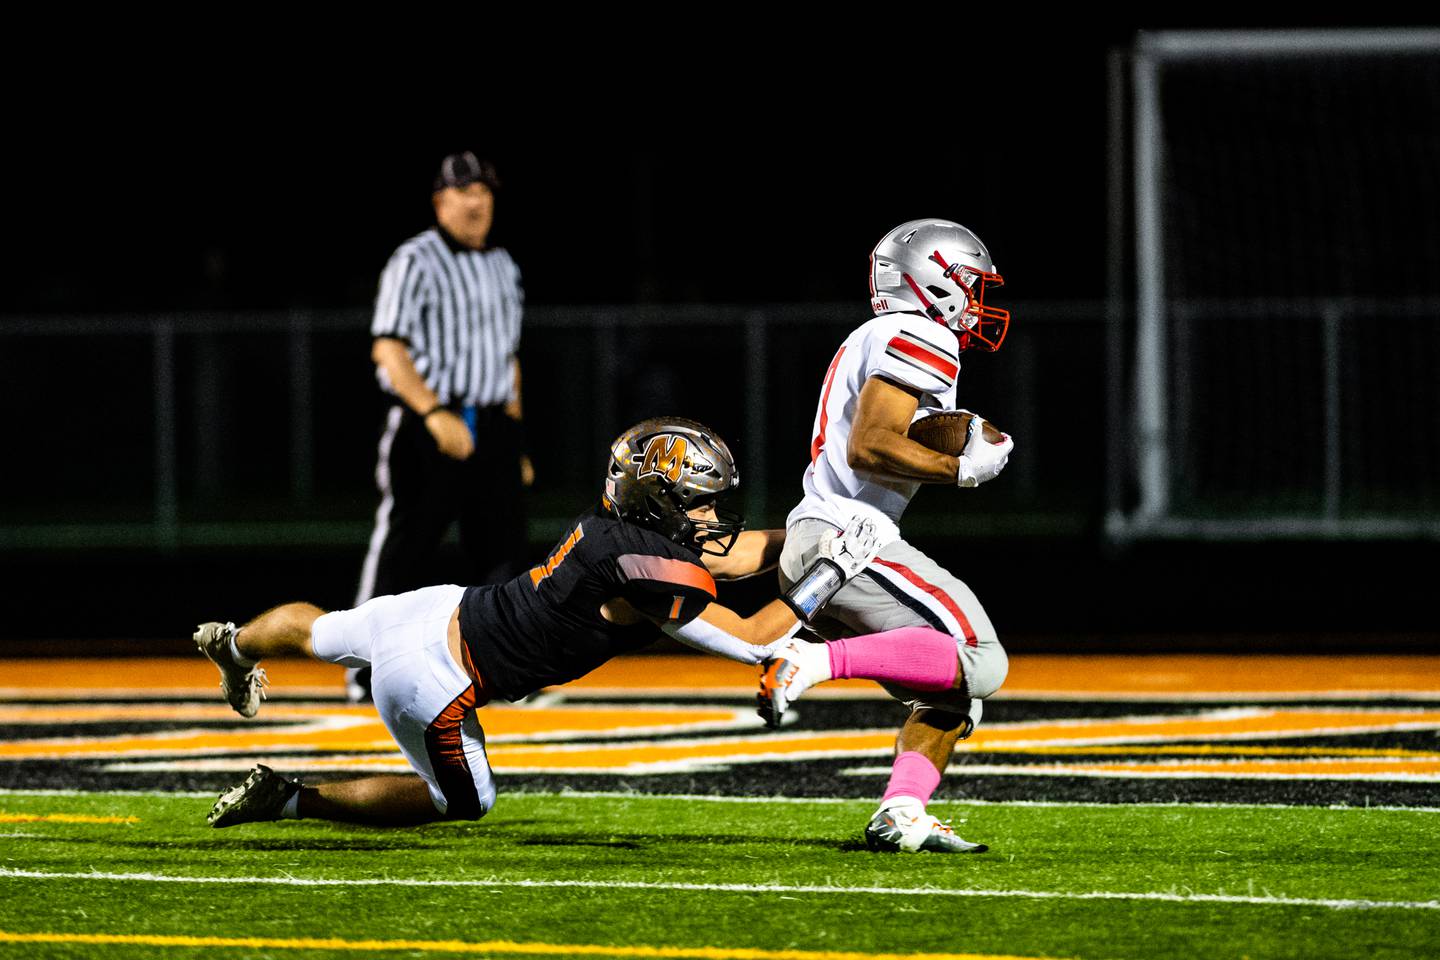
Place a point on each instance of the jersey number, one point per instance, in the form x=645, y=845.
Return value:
x=818, y=443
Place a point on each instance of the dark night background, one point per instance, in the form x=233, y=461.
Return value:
x=679, y=191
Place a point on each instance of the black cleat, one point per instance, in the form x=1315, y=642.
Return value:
x=261, y=797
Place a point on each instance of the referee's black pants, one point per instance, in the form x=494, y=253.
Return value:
x=423, y=492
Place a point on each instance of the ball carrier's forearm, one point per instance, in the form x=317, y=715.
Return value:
x=877, y=438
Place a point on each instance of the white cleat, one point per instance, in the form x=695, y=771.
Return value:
x=243, y=687
x=797, y=667
x=909, y=829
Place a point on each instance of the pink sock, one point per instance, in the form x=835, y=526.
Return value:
x=916, y=657
x=912, y=776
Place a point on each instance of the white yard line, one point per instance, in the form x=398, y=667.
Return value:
x=718, y=798
x=504, y=883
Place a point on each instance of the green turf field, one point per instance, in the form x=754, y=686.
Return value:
x=713, y=878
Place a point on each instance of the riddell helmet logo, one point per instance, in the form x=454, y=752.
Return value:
x=664, y=456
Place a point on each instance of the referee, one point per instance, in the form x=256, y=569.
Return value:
x=446, y=329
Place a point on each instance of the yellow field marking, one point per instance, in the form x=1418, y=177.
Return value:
x=490, y=946
x=62, y=818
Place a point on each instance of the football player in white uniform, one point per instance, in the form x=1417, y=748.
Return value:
x=928, y=280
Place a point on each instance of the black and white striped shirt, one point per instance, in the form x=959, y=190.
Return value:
x=459, y=311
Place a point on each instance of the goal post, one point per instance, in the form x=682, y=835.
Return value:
x=1284, y=357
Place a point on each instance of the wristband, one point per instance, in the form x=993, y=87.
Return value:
x=435, y=409
x=821, y=582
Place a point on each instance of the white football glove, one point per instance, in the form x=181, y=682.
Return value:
x=981, y=460
x=853, y=548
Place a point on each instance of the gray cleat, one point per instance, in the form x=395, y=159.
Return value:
x=899, y=829
x=243, y=687
x=261, y=797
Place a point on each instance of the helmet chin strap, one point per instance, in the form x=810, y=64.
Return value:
x=931, y=310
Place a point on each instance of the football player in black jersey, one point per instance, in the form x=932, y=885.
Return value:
x=646, y=556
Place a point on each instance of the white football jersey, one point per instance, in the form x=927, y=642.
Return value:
x=906, y=348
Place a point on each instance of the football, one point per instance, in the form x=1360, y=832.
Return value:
x=945, y=432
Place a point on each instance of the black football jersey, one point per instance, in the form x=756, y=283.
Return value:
x=544, y=628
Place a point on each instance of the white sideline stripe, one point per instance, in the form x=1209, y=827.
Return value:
x=715, y=798
x=496, y=882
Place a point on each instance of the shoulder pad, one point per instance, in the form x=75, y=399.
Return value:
x=915, y=351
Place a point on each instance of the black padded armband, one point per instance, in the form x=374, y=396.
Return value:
x=821, y=582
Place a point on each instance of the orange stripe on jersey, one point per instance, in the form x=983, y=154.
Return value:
x=538, y=574
x=637, y=566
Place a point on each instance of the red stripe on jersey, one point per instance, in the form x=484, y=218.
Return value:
x=818, y=443
x=945, y=599
x=637, y=566
x=936, y=362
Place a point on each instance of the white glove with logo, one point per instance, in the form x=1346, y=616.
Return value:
x=853, y=548
x=981, y=460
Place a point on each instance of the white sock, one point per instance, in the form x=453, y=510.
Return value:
x=235, y=653
x=292, y=807
x=815, y=658
x=914, y=804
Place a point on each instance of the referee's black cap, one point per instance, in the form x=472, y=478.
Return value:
x=463, y=169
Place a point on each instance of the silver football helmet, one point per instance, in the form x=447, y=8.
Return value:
x=662, y=468
x=941, y=269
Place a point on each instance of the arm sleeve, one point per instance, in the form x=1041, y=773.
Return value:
x=914, y=352
x=397, y=305
x=665, y=588
x=707, y=637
